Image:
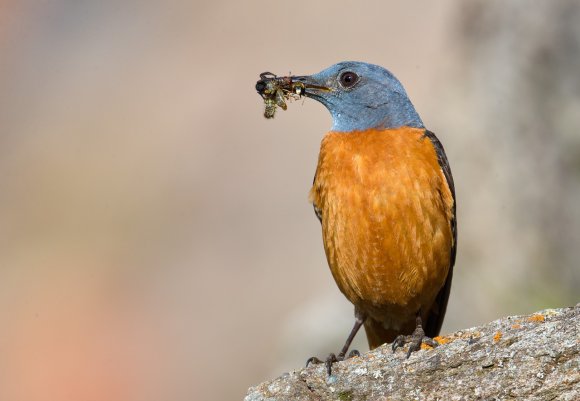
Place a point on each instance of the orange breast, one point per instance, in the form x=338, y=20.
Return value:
x=386, y=211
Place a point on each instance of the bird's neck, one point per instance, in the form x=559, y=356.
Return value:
x=379, y=116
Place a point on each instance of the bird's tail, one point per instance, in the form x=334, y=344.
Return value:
x=377, y=334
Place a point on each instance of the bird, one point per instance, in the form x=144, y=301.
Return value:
x=385, y=197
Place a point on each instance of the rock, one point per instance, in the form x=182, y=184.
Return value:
x=534, y=357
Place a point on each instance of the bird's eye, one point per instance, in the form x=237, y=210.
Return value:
x=348, y=79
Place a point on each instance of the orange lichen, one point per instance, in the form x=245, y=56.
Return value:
x=516, y=326
x=439, y=339
x=537, y=318
x=442, y=340
x=497, y=337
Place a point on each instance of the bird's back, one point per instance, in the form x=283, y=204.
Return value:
x=386, y=209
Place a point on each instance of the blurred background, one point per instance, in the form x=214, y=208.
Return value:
x=156, y=242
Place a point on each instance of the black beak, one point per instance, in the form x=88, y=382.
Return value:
x=306, y=85
x=312, y=87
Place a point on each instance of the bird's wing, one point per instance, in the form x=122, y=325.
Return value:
x=435, y=318
x=317, y=210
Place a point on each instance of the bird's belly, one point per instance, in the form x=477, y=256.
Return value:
x=388, y=263
x=385, y=226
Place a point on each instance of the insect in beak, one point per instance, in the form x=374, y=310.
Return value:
x=276, y=91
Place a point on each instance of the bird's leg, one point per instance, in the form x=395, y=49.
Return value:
x=359, y=320
x=414, y=340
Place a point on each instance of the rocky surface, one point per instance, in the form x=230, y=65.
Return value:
x=533, y=357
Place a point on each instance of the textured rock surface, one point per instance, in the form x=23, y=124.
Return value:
x=534, y=357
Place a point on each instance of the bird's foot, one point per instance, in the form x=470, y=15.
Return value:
x=332, y=358
x=414, y=340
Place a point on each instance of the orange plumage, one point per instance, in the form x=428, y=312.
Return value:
x=386, y=210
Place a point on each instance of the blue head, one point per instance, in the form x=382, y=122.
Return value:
x=361, y=96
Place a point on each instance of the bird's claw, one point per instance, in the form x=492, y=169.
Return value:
x=332, y=358
x=414, y=340
x=313, y=360
x=353, y=353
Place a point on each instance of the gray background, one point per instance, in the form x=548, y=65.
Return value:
x=156, y=242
